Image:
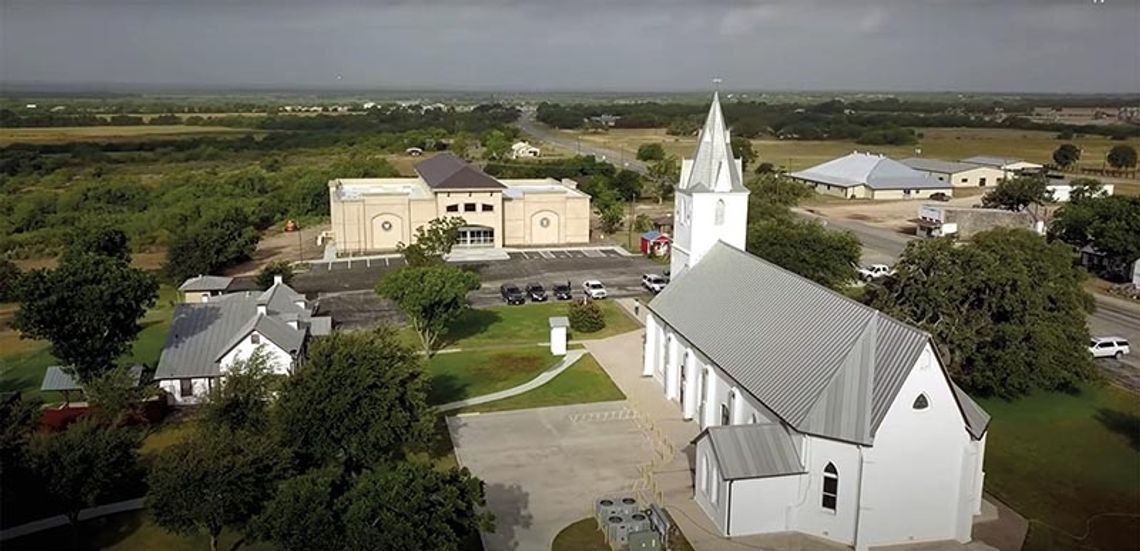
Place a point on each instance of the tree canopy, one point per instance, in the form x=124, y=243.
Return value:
x=1122, y=156
x=240, y=401
x=432, y=242
x=88, y=307
x=1066, y=155
x=742, y=149
x=663, y=176
x=1109, y=223
x=85, y=465
x=1018, y=193
x=650, y=152
x=808, y=249
x=1007, y=310
x=359, y=399
x=217, y=240
x=430, y=296
x=265, y=277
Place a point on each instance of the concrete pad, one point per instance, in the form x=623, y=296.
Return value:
x=545, y=467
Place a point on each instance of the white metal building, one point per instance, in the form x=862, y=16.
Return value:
x=862, y=175
x=955, y=173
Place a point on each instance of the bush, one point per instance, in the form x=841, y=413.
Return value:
x=650, y=152
x=280, y=268
x=586, y=316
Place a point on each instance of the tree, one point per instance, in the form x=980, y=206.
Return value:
x=268, y=274
x=88, y=307
x=1122, y=156
x=496, y=145
x=10, y=275
x=241, y=401
x=359, y=399
x=302, y=515
x=217, y=240
x=1066, y=155
x=1109, y=223
x=461, y=144
x=611, y=214
x=213, y=481
x=100, y=239
x=19, y=419
x=1007, y=310
x=663, y=176
x=627, y=184
x=742, y=149
x=1018, y=194
x=650, y=152
x=586, y=316
x=115, y=395
x=806, y=248
x=432, y=242
x=430, y=296
x=85, y=465
x=413, y=507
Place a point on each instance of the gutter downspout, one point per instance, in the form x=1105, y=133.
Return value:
x=728, y=511
x=859, y=501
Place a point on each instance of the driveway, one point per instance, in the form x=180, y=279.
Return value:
x=545, y=467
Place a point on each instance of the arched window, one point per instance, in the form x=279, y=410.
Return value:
x=921, y=402
x=727, y=411
x=830, y=486
x=719, y=212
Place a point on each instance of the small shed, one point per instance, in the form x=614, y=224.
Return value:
x=558, y=325
x=655, y=243
x=56, y=379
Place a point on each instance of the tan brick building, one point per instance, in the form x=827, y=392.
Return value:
x=375, y=214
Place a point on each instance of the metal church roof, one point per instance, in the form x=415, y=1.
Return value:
x=446, y=171
x=825, y=364
x=753, y=451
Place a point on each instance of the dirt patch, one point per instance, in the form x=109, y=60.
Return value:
x=277, y=244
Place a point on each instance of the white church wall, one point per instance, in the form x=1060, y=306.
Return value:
x=731, y=227
x=652, y=342
x=762, y=505
x=809, y=515
x=918, y=484
x=709, y=491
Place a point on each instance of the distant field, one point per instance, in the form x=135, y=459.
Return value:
x=112, y=133
x=938, y=143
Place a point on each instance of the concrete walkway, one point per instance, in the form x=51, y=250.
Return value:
x=61, y=520
x=543, y=378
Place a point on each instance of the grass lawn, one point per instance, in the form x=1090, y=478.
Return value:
x=131, y=531
x=460, y=375
x=527, y=324
x=1059, y=459
x=582, y=383
x=114, y=133
x=22, y=365
x=580, y=536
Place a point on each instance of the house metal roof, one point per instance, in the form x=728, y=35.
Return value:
x=938, y=165
x=988, y=160
x=56, y=379
x=977, y=420
x=753, y=451
x=206, y=283
x=713, y=167
x=446, y=171
x=825, y=364
x=868, y=169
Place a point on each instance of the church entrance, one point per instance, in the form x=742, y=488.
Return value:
x=476, y=236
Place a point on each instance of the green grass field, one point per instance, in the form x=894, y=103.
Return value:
x=23, y=368
x=459, y=375
x=582, y=383
x=131, y=531
x=63, y=134
x=1060, y=459
x=527, y=324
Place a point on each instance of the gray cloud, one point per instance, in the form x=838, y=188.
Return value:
x=1015, y=45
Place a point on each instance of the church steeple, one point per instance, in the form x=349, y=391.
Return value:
x=711, y=203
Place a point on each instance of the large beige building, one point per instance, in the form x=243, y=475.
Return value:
x=376, y=214
x=957, y=174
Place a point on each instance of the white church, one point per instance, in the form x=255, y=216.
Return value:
x=818, y=414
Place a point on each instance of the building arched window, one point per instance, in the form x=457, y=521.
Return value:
x=719, y=212
x=921, y=402
x=727, y=409
x=830, y=486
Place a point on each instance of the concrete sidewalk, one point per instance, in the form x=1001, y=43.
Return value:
x=61, y=520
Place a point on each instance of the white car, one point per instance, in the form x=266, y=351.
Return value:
x=875, y=271
x=654, y=283
x=1109, y=347
x=594, y=288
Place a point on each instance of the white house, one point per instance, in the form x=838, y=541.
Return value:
x=818, y=414
x=209, y=334
x=521, y=150
x=956, y=174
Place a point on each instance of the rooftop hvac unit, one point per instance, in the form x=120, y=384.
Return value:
x=617, y=531
x=606, y=507
x=638, y=522
x=645, y=541
x=629, y=505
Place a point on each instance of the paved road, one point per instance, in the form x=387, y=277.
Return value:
x=549, y=135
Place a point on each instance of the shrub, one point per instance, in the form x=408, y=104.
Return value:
x=279, y=268
x=586, y=316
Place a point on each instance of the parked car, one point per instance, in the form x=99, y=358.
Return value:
x=594, y=288
x=940, y=196
x=875, y=271
x=512, y=294
x=535, y=292
x=1109, y=347
x=654, y=283
x=562, y=291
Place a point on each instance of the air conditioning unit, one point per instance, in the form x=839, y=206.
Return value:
x=617, y=530
x=607, y=507
x=629, y=505
x=638, y=522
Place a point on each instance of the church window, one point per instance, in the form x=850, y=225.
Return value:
x=724, y=414
x=755, y=419
x=921, y=402
x=714, y=487
x=486, y=208
x=719, y=212
x=704, y=476
x=830, y=486
x=468, y=207
x=453, y=208
x=255, y=339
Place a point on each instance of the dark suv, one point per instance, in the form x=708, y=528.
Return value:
x=512, y=294
x=536, y=292
x=562, y=291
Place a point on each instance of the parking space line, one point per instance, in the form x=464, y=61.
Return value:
x=525, y=255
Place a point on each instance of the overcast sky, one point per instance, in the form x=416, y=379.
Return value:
x=641, y=45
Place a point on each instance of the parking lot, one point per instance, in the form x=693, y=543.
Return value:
x=545, y=467
x=345, y=287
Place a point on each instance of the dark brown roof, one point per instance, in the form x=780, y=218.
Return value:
x=446, y=171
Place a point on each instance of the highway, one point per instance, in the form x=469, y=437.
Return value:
x=1113, y=316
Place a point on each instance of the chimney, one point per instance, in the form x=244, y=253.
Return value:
x=277, y=280
x=261, y=309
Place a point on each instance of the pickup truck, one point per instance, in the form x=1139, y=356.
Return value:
x=594, y=289
x=654, y=283
x=875, y=271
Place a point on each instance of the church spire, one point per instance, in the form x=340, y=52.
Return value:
x=713, y=168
